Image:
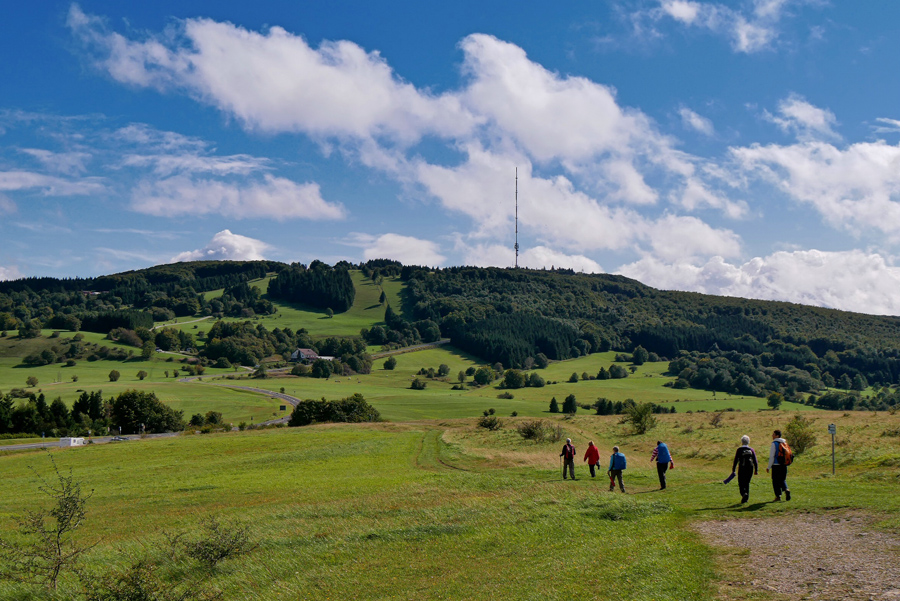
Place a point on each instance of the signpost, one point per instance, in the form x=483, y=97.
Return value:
x=832, y=430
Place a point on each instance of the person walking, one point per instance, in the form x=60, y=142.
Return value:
x=746, y=466
x=617, y=464
x=663, y=460
x=568, y=455
x=592, y=456
x=779, y=458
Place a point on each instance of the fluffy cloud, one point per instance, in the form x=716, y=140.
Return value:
x=507, y=103
x=856, y=188
x=406, y=249
x=276, y=82
x=692, y=120
x=851, y=280
x=9, y=273
x=552, y=208
x=807, y=121
x=538, y=257
x=271, y=198
x=226, y=246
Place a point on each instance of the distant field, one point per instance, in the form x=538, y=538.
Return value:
x=389, y=391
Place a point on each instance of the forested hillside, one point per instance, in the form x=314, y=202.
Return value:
x=508, y=314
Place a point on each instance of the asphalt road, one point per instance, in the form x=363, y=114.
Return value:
x=54, y=444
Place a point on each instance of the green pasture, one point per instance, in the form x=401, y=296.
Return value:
x=365, y=312
x=444, y=509
x=389, y=391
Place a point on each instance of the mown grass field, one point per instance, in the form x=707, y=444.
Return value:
x=443, y=509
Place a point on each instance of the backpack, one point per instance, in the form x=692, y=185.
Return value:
x=745, y=461
x=784, y=455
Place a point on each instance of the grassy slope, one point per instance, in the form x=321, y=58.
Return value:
x=389, y=390
x=449, y=510
x=365, y=312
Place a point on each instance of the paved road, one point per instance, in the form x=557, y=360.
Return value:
x=54, y=444
x=291, y=400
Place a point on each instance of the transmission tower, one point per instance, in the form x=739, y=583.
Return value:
x=517, y=217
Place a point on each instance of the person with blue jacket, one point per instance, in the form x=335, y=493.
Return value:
x=617, y=465
x=663, y=459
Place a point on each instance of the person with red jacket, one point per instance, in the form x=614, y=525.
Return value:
x=568, y=455
x=592, y=456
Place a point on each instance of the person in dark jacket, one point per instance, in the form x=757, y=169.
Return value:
x=592, y=456
x=617, y=464
x=746, y=466
x=663, y=460
x=568, y=455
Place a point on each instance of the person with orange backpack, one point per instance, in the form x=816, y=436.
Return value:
x=780, y=457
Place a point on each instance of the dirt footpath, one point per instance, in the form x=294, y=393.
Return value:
x=821, y=557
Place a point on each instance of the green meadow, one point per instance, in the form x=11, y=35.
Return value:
x=444, y=509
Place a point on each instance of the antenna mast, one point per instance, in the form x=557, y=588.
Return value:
x=517, y=217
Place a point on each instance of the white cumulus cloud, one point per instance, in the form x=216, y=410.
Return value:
x=406, y=249
x=855, y=188
x=850, y=280
x=537, y=257
x=226, y=246
x=10, y=273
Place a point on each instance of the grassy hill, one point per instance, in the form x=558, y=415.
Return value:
x=443, y=509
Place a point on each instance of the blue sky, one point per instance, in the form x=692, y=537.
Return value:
x=741, y=148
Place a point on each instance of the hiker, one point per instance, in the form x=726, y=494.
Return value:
x=779, y=458
x=592, y=456
x=617, y=465
x=663, y=460
x=746, y=465
x=568, y=455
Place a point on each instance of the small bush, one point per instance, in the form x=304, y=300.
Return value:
x=505, y=395
x=716, y=420
x=799, y=434
x=490, y=422
x=640, y=416
x=418, y=384
x=514, y=414
x=215, y=541
x=535, y=430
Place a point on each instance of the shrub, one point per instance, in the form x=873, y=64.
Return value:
x=216, y=540
x=418, y=384
x=490, y=422
x=31, y=381
x=570, y=405
x=515, y=413
x=46, y=546
x=554, y=405
x=573, y=378
x=141, y=374
x=114, y=376
x=716, y=420
x=640, y=416
x=352, y=409
x=391, y=363
x=535, y=430
x=799, y=434
x=505, y=395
